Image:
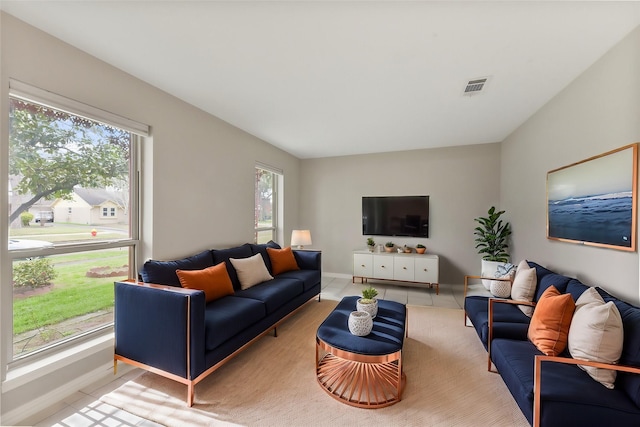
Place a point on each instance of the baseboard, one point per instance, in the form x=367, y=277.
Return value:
x=337, y=275
x=42, y=403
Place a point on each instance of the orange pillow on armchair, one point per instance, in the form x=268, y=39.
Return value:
x=549, y=327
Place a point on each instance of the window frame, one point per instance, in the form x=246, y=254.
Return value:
x=276, y=206
x=139, y=132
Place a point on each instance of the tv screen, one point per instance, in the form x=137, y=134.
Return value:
x=395, y=216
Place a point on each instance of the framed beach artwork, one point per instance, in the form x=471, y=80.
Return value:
x=593, y=202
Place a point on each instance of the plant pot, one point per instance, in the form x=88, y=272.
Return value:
x=360, y=323
x=388, y=248
x=371, y=248
x=421, y=250
x=489, y=269
x=369, y=307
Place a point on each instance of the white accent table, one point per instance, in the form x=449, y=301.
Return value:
x=400, y=267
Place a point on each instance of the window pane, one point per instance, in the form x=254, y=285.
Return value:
x=59, y=296
x=264, y=213
x=69, y=183
x=264, y=236
x=62, y=169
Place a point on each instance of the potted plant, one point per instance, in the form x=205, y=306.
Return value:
x=420, y=248
x=491, y=241
x=371, y=244
x=368, y=302
x=388, y=247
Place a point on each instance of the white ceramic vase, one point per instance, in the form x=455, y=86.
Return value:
x=360, y=323
x=370, y=307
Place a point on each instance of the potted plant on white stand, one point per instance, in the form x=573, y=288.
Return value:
x=368, y=302
x=492, y=242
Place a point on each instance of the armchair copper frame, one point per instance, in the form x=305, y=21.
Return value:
x=466, y=285
x=493, y=301
x=537, y=377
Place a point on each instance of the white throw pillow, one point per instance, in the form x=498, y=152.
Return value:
x=596, y=334
x=251, y=271
x=524, y=286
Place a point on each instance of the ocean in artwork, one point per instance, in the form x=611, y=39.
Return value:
x=602, y=218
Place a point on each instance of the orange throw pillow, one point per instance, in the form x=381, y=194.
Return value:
x=282, y=260
x=549, y=327
x=214, y=281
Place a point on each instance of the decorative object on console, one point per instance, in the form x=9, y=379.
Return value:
x=491, y=240
x=300, y=238
x=371, y=244
x=406, y=249
x=388, y=247
x=360, y=323
x=368, y=302
x=420, y=248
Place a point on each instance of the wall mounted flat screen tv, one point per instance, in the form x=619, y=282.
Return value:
x=395, y=216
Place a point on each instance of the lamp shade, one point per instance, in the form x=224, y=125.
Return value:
x=300, y=238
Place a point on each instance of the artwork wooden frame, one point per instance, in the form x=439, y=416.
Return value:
x=594, y=201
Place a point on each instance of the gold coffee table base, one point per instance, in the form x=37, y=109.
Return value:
x=360, y=380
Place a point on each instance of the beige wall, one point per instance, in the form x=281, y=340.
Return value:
x=200, y=169
x=598, y=112
x=462, y=183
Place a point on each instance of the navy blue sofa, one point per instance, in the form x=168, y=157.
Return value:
x=554, y=391
x=172, y=331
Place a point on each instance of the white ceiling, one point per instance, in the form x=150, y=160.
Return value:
x=330, y=78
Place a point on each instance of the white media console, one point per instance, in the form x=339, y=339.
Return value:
x=416, y=268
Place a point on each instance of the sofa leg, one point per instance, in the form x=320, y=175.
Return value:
x=190, y=393
x=275, y=332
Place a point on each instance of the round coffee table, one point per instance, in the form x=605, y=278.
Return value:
x=365, y=372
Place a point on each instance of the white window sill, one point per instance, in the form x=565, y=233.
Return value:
x=31, y=371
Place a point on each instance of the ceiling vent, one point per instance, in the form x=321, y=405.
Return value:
x=475, y=86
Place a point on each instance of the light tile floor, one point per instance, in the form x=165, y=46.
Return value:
x=84, y=408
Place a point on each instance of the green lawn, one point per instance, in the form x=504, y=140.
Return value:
x=73, y=293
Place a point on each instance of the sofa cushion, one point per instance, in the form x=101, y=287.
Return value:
x=559, y=281
x=509, y=321
x=562, y=404
x=576, y=288
x=262, y=250
x=214, y=281
x=310, y=278
x=226, y=317
x=220, y=255
x=282, y=260
x=540, y=270
x=251, y=270
x=596, y=334
x=274, y=293
x=524, y=286
x=164, y=272
x=550, y=322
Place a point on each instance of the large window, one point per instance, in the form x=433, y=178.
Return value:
x=65, y=248
x=266, y=205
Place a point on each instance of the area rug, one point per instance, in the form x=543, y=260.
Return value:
x=273, y=382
